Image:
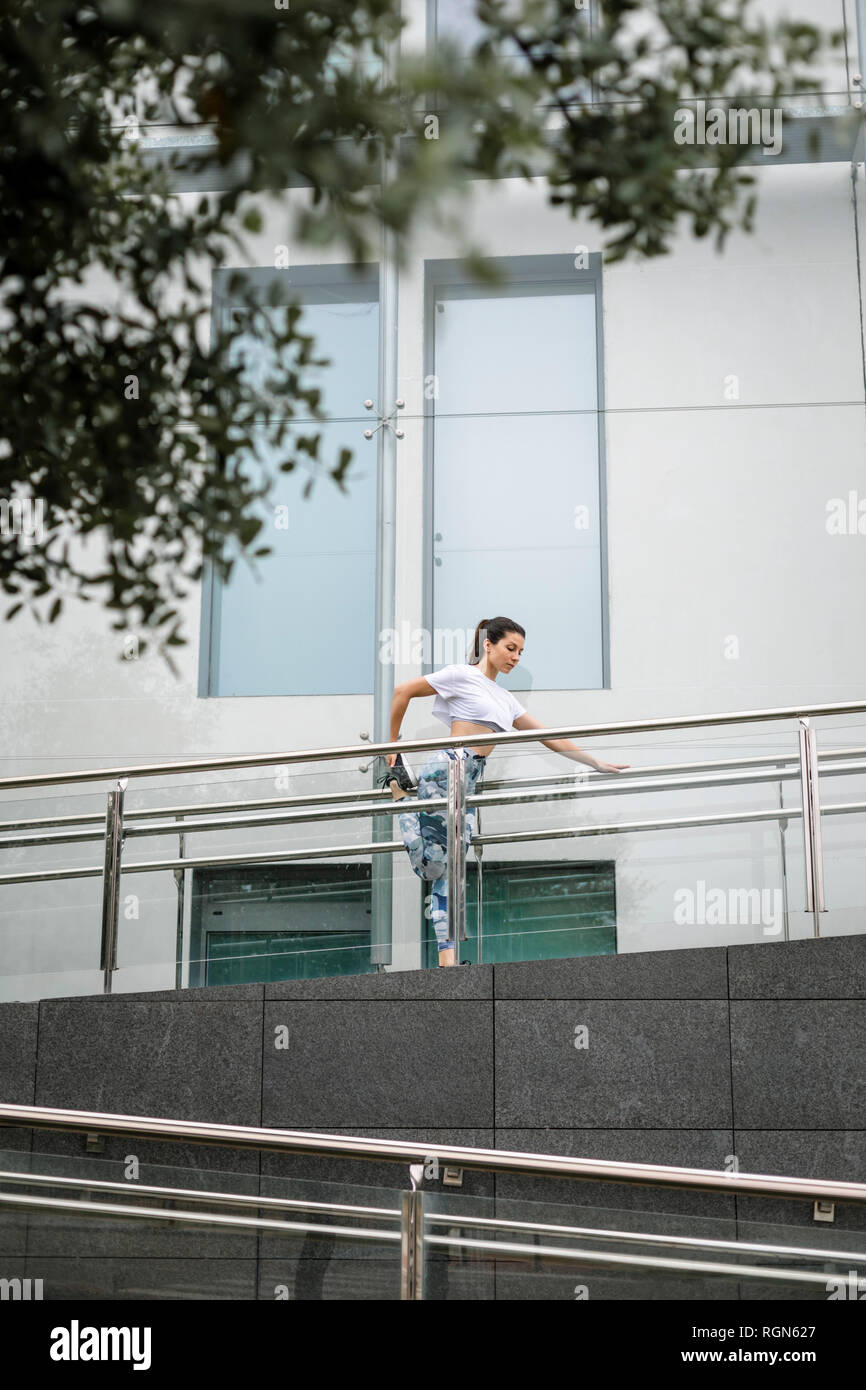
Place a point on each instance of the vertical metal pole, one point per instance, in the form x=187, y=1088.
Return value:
x=479, y=899
x=111, y=883
x=806, y=805
x=411, y=1245
x=381, y=870
x=817, y=847
x=180, y=880
x=811, y=804
x=783, y=826
x=456, y=850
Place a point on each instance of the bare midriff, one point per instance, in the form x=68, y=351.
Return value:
x=464, y=726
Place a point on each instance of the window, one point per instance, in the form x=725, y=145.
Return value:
x=514, y=464
x=304, y=624
x=536, y=911
x=282, y=922
x=456, y=22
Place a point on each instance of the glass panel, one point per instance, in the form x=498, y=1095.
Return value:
x=457, y=22
x=345, y=333
x=323, y=916
x=512, y=352
x=536, y=911
x=583, y=864
x=324, y=551
x=100, y=1256
x=231, y=923
x=518, y=390
x=604, y=1238
x=322, y=536
x=50, y=928
x=842, y=784
x=656, y=884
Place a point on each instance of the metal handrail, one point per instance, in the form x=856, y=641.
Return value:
x=30, y=1202
x=454, y=1218
x=494, y=1249
x=448, y=1155
x=280, y=856
x=366, y=750
x=806, y=1252
x=454, y=803
x=143, y=813
x=171, y=1194
x=244, y=816
x=551, y=1254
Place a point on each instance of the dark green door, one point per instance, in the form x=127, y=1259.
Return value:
x=280, y=922
x=536, y=912
x=235, y=958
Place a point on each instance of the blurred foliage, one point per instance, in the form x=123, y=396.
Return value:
x=118, y=410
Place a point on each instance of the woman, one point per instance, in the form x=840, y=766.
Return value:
x=469, y=700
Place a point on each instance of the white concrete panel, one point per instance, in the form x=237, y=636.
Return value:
x=772, y=319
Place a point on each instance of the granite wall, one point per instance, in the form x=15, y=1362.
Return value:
x=684, y=1057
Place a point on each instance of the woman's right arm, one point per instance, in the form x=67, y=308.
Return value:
x=399, y=705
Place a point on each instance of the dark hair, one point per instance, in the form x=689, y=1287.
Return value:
x=495, y=629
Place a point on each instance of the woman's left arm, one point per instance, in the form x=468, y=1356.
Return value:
x=567, y=748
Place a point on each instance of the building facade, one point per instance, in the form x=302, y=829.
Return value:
x=658, y=468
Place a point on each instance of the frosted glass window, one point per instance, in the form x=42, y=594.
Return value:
x=457, y=22
x=517, y=491
x=303, y=622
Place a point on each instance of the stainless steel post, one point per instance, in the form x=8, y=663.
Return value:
x=479, y=896
x=456, y=850
x=783, y=826
x=817, y=846
x=811, y=804
x=412, y=1244
x=111, y=882
x=180, y=881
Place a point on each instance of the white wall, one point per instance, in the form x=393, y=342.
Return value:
x=726, y=593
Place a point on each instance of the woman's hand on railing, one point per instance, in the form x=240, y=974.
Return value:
x=610, y=767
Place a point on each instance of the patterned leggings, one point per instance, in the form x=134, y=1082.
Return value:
x=425, y=834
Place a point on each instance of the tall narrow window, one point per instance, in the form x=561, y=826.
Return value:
x=515, y=479
x=304, y=623
x=456, y=22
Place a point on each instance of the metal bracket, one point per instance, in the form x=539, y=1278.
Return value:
x=385, y=421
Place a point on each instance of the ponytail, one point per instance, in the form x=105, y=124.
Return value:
x=495, y=629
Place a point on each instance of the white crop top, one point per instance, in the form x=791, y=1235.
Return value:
x=464, y=692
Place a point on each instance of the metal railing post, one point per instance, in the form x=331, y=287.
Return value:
x=180, y=882
x=783, y=826
x=479, y=898
x=111, y=882
x=811, y=804
x=412, y=1244
x=456, y=850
